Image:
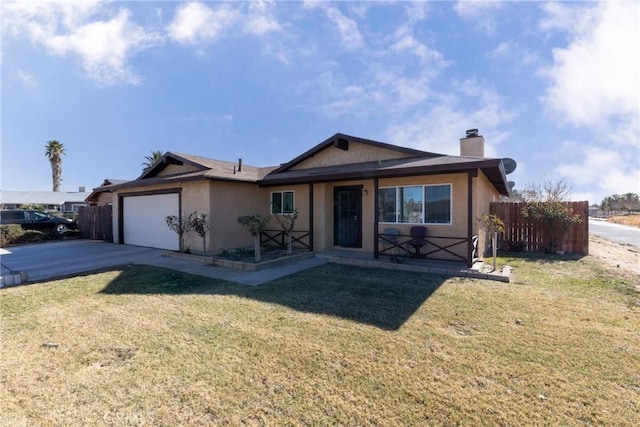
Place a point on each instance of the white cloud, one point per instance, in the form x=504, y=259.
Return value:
x=594, y=80
x=598, y=172
x=104, y=47
x=479, y=13
x=513, y=51
x=347, y=28
x=195, y=22
x=40, y=18
x=260, y=20
x=27, y=79
x=64, y=28
x=594, y=85
x=409, y=43
x=439, y=125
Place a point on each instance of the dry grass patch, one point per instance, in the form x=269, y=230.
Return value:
x=331, y=345
x=632, y=220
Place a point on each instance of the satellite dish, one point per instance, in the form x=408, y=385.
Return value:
x=511, y=185
x=509, y=165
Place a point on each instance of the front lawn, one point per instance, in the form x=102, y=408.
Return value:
x=335, y=345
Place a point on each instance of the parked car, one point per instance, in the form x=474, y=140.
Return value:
x=35, y=220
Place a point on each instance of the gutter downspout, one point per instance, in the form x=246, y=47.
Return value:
x=375, y=218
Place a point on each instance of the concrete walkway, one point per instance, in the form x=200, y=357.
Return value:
x=55, y=260
x=196, y=265
x=48, y=261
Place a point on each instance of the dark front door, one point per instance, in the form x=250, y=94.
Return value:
x=347, y=216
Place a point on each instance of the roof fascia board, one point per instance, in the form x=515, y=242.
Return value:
x=168, y=158
x=330, y=142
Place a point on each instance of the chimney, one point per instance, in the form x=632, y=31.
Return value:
x=239, y=165
x=82, y=189
x=472, y=145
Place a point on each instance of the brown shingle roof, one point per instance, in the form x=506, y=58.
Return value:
x=390, y=168
x=416, y=163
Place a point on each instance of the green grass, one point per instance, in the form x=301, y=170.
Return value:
x=334, y=345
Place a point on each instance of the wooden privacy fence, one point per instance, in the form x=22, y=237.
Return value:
x=96, y=222
x=525, y=234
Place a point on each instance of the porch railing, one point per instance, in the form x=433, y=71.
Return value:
x=278, y=238
x=440, y=248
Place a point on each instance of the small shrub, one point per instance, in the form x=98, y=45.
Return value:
x=10, y=233
x=32, y=236
x=13, y=234
x=519, y=246
x=237, y=254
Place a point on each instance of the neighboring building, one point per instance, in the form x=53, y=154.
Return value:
x=346, y=190
x=101, y=196
x=59, y=201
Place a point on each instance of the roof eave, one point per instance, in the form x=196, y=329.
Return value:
x=330, y=141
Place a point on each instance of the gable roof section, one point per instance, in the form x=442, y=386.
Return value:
x=106, y=186
x=416, y=162
x=410, y=166
x=341, y=141
x=205, y=168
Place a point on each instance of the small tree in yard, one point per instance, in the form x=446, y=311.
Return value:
x=256, y=224
x=178, y=226
x=493, y=225
x=546, y=204
x=198, y=223
x=287, y=223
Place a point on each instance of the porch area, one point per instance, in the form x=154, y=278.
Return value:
x=478, y=270
x=397, y=252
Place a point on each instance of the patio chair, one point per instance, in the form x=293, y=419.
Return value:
x=418, y=238
x=390, y=237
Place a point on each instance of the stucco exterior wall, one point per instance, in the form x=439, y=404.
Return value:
x=485, y=193
x=195, y=198
x=357, y=153
x=174, y=169
x=104, y=199
x=227, y=202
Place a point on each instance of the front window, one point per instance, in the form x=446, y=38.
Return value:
x=410, y=199
x=282, y=202
x=387, y=205
x=416, y=204
x=438, y=204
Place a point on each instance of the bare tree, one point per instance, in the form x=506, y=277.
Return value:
x=548, y=191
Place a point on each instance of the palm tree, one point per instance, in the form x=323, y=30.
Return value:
x=152, y=159
x=54, y=151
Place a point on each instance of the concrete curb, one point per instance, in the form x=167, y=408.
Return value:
x=14, y=279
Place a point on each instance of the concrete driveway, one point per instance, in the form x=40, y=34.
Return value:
x=46, y=261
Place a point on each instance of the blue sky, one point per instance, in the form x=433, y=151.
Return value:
x=553, y=85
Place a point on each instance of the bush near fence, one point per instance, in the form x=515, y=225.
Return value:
x=522, y=234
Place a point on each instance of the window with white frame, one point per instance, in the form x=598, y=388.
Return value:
x=282, y=202
x=415, y=204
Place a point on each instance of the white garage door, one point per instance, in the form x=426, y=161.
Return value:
x=144, y=221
